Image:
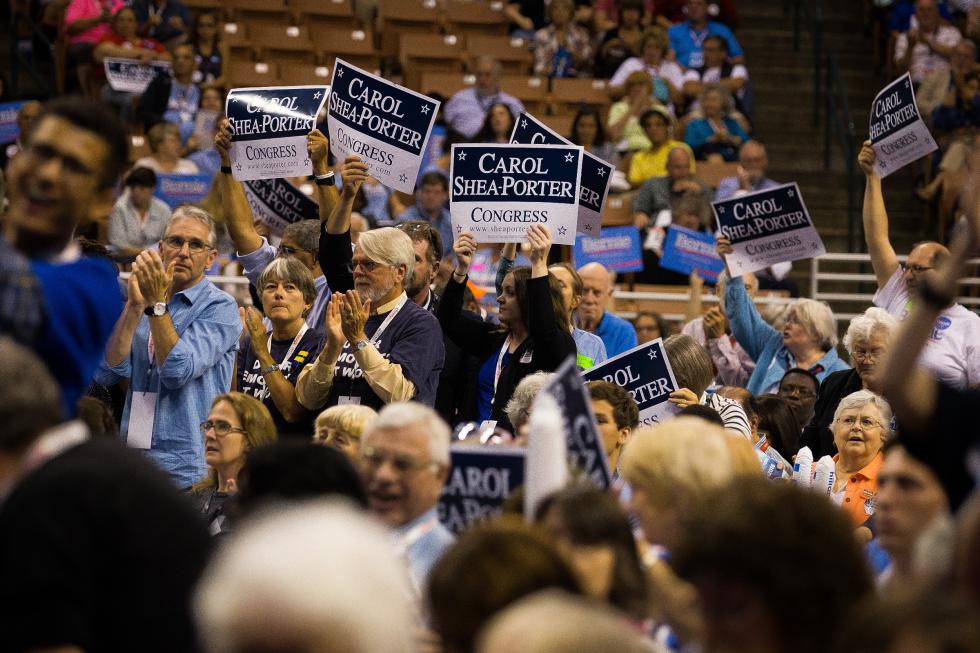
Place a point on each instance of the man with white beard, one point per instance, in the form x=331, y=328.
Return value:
x=379, y=346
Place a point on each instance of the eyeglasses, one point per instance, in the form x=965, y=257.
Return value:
x=286, y=250
x=194, y=245
x=866, y=423
x=790, y=390
x=366, y=264
x=221, y=428
x=374, y=459
x=915, y=269
x=867, y=354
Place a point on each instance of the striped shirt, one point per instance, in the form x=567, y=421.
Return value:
x=731, y=412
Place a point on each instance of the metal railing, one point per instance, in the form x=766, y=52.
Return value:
x=20, y=63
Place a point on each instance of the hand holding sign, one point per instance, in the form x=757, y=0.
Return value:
x=683, y=397
x=317, y=147
x=715, y=323
x=539, y=238
x=353, y=173
x=222, y=142
x=464, y=248
x=866, y=159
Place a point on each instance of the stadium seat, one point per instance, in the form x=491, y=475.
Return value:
x=445, y=84
x=399, y=17
x=420, y=53
x=618, y=210
x=247, y=73
x=513, y=54
x=569, y=94
x=303, y=74
x=353, y=46
x=477, y=17
x=259, y=11
x=330, y=13
x=532, y=91
x=712, y=173
x=282, y=42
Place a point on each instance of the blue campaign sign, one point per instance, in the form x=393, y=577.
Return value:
x=582, y=441
x=595, y=176
x=617, y=248
x=276, y=203
x=898, y=134
x=767, y=227
x=269, y=126
x=498, y=191
x=132, y=75
x=182, y=189
x=385, y=124
x=686, y=251
x=480, y=479
x=8, y=121
x=645, y=373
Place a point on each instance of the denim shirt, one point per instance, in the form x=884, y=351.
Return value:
x=765, y=344
x=197, y=370
x=425, y=546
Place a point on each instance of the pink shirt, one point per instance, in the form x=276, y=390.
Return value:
x=79, y=9
x=734, y=365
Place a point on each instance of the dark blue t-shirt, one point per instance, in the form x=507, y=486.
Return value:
x=485, y=392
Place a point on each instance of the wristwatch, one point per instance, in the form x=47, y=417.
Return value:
x=158, y=309
x=361, y=344
x=269, y=369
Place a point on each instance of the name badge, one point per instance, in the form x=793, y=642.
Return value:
x=526, y=358
x=696, y=59
x=142, y=412
x=345, y=400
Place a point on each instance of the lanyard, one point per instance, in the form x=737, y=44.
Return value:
x=417, y=532
x=376, y=338
x=698, y=37
x=292, y=348
x=500, y=361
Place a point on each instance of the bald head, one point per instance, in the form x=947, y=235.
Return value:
x=923, y=261
x=597, y=289
x=678, y=163
x=487, y=71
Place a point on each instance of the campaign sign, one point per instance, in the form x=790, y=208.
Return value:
x=645, y=373
x=594, y=180
x=897, y=132
x=182, y=189
x=586, y=452
x=9, y=132
x=498, y=191
x=617, y=248
x=385, y=124
x=480, y=478
x=132, y=75
x=687, y=251
x=767, y=227
x=269, y=126
x=276, y=203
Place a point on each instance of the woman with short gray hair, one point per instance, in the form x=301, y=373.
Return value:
x=868, y=336
x=862, y=424
x=270, y=362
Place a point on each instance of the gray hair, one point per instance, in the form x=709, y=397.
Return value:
x=389, y=246
x=406, y=413
x=817, y=318
x=289, y=270
x=727, y=103
x=690, y=362
x=333, y=579
x=862, y=398
x=519, y=406
x=306, y=233
x=195, y=213
x=863, y=327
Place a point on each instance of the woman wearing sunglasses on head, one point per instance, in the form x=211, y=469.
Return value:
x=236, y=424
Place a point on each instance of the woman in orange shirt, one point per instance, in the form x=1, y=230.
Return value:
x=861, y=425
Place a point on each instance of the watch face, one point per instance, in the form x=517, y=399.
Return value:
x=159, y=309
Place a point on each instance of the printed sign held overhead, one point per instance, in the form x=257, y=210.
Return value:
x=687, y=251
x=498, y=191
x=269, y=126
x=131, y=75
x=182, y=189
x=897, y=132
x=594, y=180
x=767, y=227
x=276, y=203
x=480, y=479
x=616, y=248
x=645, y=373
x=385, y=124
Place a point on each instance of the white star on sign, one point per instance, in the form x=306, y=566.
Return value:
x=316, y=96
x=459, y=229
x=425, y=109
x=562, y=230
x=340, y=73
x=602, y=172
x=791, y=194
x=524, y=124
x=403, y=178
x=238, y=166
x=588, y=227
x=461, y=156
x=652, y=353
x=721, y=209
x=569, y=157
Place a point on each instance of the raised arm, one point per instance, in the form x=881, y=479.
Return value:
x=875, y=218
x=471, y=335
x=748, y=327
x=238, y=214
x=550, y=340
x=335, y=252
x=507, y=256
x=317, y=146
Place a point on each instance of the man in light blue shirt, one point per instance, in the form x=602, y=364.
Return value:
x=175, y=341
x=404, y=461
x=430, y=207
x=617, y=334
x=753, y=163
x=687, y=38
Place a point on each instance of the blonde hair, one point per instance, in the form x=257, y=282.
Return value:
x=677, y=460
x=256, y=420
x=160, y=131
x=388, y=246
x=352, y=419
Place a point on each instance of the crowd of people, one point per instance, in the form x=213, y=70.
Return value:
x=187, y=469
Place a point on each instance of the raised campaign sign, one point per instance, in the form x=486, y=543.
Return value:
x=276, y=203
x=132, y=75
x=594, y=180
x=645, y=373
x=687, y=251
x=480, y=479
x=498, y=191
x=616, y=248
x=385, y=124
x=767, y=227
x=182, y=189
x=583, y=443
x=269, y=126
x=897, y=132
x=9, y=131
